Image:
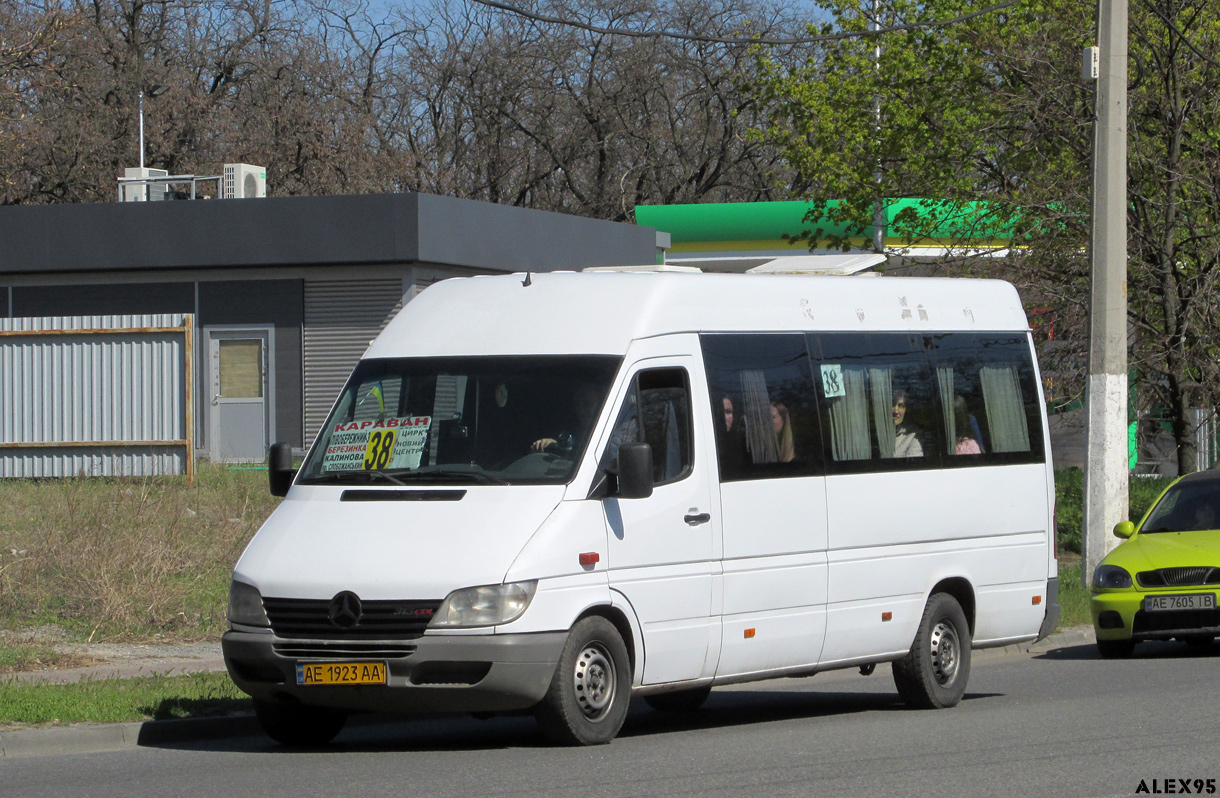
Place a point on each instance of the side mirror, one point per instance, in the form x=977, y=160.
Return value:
x=634, y=471
x=280, y=472
x=1124, y=529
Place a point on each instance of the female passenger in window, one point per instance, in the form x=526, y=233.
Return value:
x=966, y=442
x=783, y=432
x=906, y=440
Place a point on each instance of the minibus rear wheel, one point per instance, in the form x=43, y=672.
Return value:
x=298, y=726
x=586, y=703
x=934, y=673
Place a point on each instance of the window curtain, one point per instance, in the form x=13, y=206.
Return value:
x=760, y=432
x=673, y=443
x=849, y=419
x=1005, y=410
x=944, y=378
x=882, y=383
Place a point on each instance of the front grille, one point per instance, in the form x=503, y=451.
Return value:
x=344, y=650
x=1175, y=621
x=1180, y=577
x=379, y=620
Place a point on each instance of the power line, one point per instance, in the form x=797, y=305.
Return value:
x=690, y=37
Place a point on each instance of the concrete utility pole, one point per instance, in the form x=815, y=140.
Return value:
x=878, y=206
x=1106, y=472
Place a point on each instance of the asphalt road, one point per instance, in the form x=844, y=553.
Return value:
x=1055, y=723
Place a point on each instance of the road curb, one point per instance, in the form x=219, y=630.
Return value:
x=1075, y=636
x=94, y=739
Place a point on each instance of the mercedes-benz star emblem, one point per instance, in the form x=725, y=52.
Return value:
x=345, y=610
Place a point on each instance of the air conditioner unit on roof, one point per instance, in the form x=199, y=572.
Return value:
x=140, y=191
x=243, y=181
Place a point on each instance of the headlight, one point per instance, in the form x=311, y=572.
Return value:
x=490, y=605
x=246, y=605
x=1111, y=576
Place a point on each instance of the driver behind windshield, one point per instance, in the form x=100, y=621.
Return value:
x=586, y=400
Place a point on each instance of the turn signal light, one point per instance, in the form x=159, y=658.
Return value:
x=749, y=633
x=887, y=616
x=1037, y=600
x=589, y=558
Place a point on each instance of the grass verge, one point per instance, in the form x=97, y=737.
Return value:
x=34, y=656
x=112, y=560
x=1073, y=597
x=120, y=700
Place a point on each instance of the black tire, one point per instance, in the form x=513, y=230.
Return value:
x=1199, y=641
x=1115, y=649
x=587, y=701
x=933, y=675
x=679, y=700
x=299, y=726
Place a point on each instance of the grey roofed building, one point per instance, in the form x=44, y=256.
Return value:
x=305, y=281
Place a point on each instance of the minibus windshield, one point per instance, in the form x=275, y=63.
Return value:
x=467, y=420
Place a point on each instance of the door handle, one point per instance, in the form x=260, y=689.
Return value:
x=701, y=518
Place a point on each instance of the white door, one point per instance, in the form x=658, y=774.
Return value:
x=661, y=549
x=238, y=394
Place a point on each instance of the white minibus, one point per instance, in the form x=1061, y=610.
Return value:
x=552, y=492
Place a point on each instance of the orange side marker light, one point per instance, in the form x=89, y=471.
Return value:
x=589, y=558
x=749, y=633
x=887, y=616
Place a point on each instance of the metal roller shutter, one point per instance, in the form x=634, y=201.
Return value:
x=341, y=317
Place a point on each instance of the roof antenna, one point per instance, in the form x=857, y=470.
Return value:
x=527, y=282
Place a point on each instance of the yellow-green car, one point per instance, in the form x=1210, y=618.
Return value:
x=1161, y=583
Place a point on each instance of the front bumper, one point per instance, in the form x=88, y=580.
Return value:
x=462, y=673
x=1120, y=615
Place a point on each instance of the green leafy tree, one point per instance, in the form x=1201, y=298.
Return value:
x=989, y=121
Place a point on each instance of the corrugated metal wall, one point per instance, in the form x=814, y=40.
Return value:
x=341, y=318
x=99, y=395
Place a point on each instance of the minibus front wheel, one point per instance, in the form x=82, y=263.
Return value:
x=587, y=700
x=934, y=673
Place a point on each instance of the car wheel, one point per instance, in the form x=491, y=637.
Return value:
x=934, y=672
x=679, y=700
x=587, y=700
x=299, y=726
x=1115, y=649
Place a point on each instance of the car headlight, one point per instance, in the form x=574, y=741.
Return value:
x=489, y=605
x=246, y=605
x=1111, y=576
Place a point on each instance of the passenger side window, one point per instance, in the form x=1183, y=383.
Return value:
x=878, y=401
x=764, y=405
x=989, y=402
x=656, y=411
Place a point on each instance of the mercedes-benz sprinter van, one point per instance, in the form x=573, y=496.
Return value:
x=553, y=492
